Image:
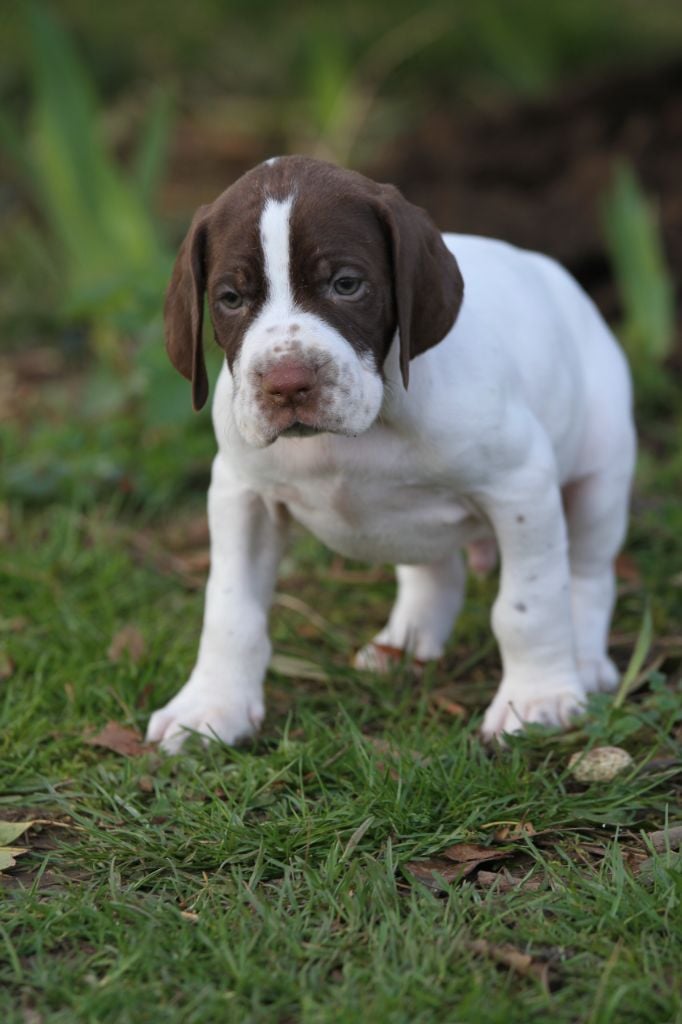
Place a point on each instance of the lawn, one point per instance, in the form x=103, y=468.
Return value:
x=366, y=858
x=307, y=877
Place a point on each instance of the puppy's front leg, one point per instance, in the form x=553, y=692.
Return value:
x=223, y=697
x=532, y=613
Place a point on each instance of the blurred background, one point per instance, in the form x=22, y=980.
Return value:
x=557, y=126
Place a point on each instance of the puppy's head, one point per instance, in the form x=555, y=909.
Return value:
x=309, y=270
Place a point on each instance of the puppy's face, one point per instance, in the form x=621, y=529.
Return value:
x=308, y=270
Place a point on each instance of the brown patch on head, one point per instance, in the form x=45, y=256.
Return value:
x=339, y=220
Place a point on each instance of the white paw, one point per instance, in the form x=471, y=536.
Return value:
x=598, y=674
x=195, y=710
x=381, y=658
x=516, y=706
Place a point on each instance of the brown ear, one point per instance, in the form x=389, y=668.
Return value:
x=427, y=282
x=183, y=313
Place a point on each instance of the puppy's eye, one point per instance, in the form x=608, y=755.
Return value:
x=347, y=286
x=230, y=298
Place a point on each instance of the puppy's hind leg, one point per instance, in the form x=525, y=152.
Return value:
x=428, y=601
x=596, y=513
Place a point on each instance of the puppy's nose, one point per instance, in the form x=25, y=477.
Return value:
x=288, y=383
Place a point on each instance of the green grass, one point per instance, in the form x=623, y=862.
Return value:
x=270, y=883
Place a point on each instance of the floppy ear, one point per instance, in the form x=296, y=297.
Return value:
x=183, y=313
x=427, y=282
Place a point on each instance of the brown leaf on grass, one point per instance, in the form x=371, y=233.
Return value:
x=509, y=956
x=436, y=870
x=16, y=624
x=514, y=830
x=127, y=642
x=504, y=881
x=453, y=863
x=464, y=852
x=445, y=703
x=6, y=666
x=627, y=570
x=666, y=839
x=119, y=738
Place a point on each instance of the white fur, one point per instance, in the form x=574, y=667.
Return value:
x=523, y=406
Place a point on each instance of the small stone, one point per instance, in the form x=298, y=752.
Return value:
x=601, y=764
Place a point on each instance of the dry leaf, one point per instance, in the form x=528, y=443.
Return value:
x=119, y=738
x=128, y=641
x=464, y=852
x=11, y=830
x=436, y=870
x=6, y=665
x=514, y=830
x=666, y=839
x=510, y=956
x=9, y=854
x=504, y=881
x=17, y=624
x=297, y=668
x=626, y=569
x=451, y=707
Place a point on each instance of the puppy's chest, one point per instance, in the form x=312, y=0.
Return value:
x=385, y=507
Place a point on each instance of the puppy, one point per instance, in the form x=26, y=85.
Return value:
x=403, y=394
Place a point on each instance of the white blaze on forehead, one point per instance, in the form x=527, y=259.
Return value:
x=274, y=233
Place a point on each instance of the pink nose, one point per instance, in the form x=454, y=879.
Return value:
x=288, y=383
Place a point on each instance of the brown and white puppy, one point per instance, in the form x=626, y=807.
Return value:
x=329, y=293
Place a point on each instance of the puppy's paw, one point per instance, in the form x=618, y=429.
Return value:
x=206, y=713
x=517, y=706
x=598, y=674
x=381, y=658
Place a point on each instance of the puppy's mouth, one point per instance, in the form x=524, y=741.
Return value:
x=298, y=429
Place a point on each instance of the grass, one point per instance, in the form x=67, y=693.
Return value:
x=272, y=883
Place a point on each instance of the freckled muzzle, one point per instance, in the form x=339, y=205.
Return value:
x=298, y=388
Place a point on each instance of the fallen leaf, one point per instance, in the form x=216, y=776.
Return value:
x=666, y=839
x=119, y=738
x=504, y=881
x=127, y=642
x=9, y=854
x=145, y=784
x=464, y=852
x=297, y=668
x=6, y=666
x=11, y=830
x=436, y=870
x=510, y=956
x=626, y=569
x=451, y=707
x=514, y=830
x=17, y=624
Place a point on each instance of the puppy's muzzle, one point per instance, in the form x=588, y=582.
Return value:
x=288, y=384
